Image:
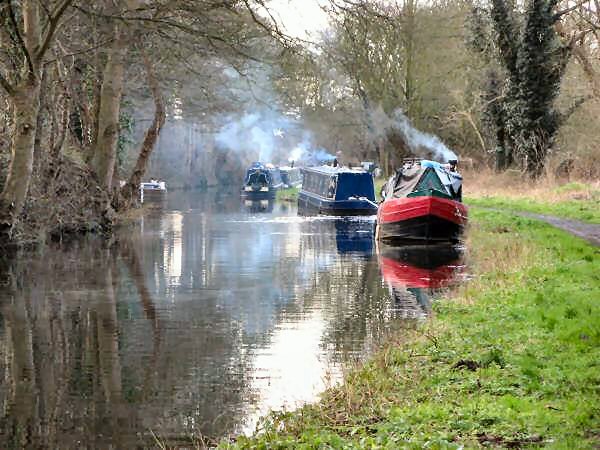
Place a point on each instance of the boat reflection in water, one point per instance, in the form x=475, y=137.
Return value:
x=258, y=206
x=355, y=236
x=416, y=273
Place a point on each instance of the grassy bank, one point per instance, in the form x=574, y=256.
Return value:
x=510, y=359
x=511, y=191
x=287, y=195
x=584, y=210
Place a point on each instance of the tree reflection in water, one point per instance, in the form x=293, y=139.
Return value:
x=193, y=322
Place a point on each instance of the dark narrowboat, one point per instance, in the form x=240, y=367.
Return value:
x=336, y=191
x=261, y=182
x=422, y=202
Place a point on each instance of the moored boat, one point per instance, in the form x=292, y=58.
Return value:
x=422, y=202
x=336, y=191
x=261, y=182
x=153, y=190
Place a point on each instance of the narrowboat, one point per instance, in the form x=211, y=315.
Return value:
x=422, y=202
x=153, y=190
x=336, y=191
x=261, y=182
x=291, y=176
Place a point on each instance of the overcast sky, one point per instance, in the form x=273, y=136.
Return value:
x=300, y=18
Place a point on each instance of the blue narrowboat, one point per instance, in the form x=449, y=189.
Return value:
x=336, y=191
x=261, y=182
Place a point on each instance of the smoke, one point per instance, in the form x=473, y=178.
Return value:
x=419, y=143
x=268, y=136
x=307, y=154
x=259, y=133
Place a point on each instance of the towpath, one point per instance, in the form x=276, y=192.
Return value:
x=588, y=231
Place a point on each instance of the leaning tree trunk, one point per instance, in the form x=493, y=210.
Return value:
x=25, y=103
x=130, y=190
x=105, y=152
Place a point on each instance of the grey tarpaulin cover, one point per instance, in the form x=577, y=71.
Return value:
x=404, y=182
x=423, y=175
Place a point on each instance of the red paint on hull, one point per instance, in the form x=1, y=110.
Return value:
x=403, y=274
x=401, y=209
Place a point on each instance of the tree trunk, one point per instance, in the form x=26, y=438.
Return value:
x=130, y=190
x=105, y=152
x=37, y=143
x=25, y=102
x=64, y=126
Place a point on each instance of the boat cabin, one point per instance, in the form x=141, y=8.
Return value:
x=337, y=191
x=153, y=190
x=425, y=178
x=262, y=180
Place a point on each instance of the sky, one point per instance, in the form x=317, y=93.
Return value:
x=300, y=18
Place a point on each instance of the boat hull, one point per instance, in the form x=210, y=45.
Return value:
x=310, y=205
x=259, y=195
x=424, y=218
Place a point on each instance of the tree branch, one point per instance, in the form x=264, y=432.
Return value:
x=564, y=116
x=81, y=52
x=53, y=24
x=562, y=12
x=6, y=85
x=24, y=49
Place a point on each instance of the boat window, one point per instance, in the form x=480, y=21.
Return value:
x=258, y=177
x=332, y=187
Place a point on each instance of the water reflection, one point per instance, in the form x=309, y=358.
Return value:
x=415, y=273
x=258, y=206
x=198, y=320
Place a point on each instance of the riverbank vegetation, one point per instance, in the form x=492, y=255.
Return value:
x=578, y=200
x=510, y=359
x=86, y=91
x=288, y=195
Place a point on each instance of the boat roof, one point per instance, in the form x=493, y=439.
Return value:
x=330, y=170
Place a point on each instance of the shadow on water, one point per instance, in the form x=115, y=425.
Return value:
x=196, y=321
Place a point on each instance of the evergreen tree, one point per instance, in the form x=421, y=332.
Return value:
x=520, y=108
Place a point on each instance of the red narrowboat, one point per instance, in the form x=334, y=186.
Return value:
x=422, y=202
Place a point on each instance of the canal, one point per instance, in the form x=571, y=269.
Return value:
x=197, y=320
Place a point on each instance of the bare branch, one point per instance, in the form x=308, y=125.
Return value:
x=562, y=12
x=21, y=43
x=6, y=85
x=81, y=52
x=53, y=24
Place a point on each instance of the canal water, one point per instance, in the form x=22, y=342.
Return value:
x=196, y=321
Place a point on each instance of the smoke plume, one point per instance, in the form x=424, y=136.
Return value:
x=419, y=143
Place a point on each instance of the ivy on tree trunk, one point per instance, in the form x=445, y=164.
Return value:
x=520, y=107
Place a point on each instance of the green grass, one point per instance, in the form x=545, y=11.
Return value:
x=379, y=182
x=528, y=324
x=289, y=194
x=573, y=186
x=584, y=210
